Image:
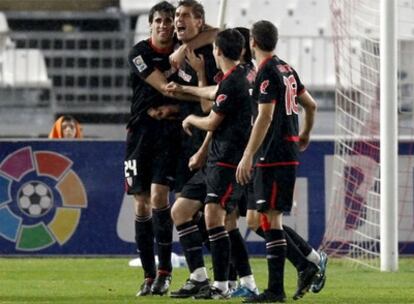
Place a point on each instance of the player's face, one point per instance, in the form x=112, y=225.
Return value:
x=187, y=26
x=162, y=28
x=68, y=129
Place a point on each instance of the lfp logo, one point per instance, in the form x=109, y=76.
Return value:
x=41, y=199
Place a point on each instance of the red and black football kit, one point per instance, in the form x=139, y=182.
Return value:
x=277, y=158
x=215, y=183
x=190, y=144
x=151, y=153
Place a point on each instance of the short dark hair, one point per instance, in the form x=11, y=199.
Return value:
x=247, y=57
x=164, y=7
x=196, y=7
x=231, y=43
x=265, y=34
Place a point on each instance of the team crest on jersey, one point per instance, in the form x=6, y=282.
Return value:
x=220, y=99
x=139, y=63
x=263, y=87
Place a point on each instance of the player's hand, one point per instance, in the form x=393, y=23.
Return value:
x=303, y=141
x=244, y=170
x=154, y=113
x=196, y=62
x=197, y=160
x=174, y=87
x=178, y=56
x=187, y=126
x=164, y=112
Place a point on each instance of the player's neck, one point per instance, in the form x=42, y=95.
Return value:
x=262, y=56
x=227, y=65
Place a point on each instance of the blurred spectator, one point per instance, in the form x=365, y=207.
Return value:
x=66, y=126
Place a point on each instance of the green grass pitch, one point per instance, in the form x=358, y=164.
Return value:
x=103, y=280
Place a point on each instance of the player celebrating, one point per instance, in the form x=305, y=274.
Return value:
x=214, y=184
x=274, y=143
x=151, y=144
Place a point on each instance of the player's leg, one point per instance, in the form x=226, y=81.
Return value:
x=138, y=180
x=162, y=227
x=144, y=239
x=163, y=169
x=272, y=199
x=239, y=253
x=319, y=259
x=183, y=212
x=220, y=252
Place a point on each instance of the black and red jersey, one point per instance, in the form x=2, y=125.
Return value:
x=143, y=59
x=278, y=83
x=187, y=76
x=234, y=102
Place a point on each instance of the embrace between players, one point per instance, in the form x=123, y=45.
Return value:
x=227, y=142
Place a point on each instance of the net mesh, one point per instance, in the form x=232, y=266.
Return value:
x=353, y=222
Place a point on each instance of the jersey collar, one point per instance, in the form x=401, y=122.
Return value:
x=166, y=50
x=229, y=72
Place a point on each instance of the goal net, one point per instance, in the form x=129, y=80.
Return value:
x=353, y=221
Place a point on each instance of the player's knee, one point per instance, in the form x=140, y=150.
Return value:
x=231, y=222
x=142, y=205
x=178, y=212
x=252, y=223
x=159, y=200
x=214, y=216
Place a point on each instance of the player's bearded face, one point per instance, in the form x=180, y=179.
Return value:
x=187, y=26
x=162, y=27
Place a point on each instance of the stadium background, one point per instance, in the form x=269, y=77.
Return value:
x=70, y=57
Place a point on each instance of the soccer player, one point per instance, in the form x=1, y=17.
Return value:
x=274, y=144
x=214, y=184
x=151, y=154
x=189, y=22
x=150, y=157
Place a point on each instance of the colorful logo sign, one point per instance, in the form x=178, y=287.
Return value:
x=41, y=199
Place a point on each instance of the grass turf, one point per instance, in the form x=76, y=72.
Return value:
x=102, y=280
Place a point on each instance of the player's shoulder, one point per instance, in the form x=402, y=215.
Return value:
x=283, y=67
x=140, y=48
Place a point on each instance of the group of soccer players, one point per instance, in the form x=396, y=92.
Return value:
x=225, y=140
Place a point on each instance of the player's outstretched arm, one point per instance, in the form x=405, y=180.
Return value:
x=309, y=105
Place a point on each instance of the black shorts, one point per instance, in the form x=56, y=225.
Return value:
x=151, y=158
x=214, y=184
x=273, y=188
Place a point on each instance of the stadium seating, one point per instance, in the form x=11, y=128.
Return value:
x=135, y=7
x=141, y=28
x=25, y=68
x=20, y=67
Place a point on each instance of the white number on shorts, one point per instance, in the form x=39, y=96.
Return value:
x=130, y=165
